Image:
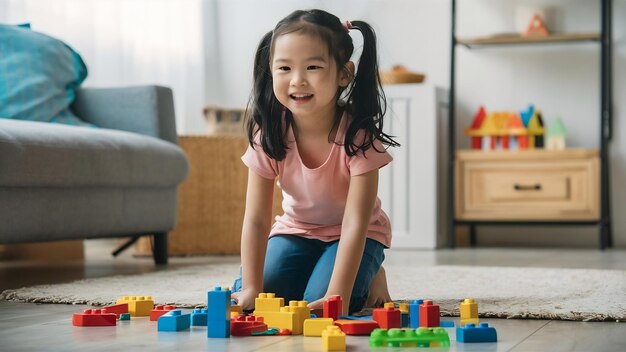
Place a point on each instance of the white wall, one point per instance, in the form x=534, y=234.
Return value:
x=562, y=80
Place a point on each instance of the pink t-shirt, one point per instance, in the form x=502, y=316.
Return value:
x=314, y=200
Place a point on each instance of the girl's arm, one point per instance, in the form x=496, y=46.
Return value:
x=257, y=221
x=360, y=203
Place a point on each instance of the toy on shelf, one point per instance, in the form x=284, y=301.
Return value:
x=556, y=135
x=507, y=130
x=536, y=28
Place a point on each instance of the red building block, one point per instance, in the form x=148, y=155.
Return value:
x=160, y=310
x=356, y=327
x=429, y=315
x=116, y=309
x=332, y=307
x=245, y=325
x=94, y=317
x=387, y=318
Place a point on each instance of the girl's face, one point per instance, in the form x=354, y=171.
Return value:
x=306, y=78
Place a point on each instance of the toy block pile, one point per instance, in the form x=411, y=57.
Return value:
x=504, y=130
x=413, y=324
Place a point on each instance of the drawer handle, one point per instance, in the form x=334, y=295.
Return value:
x=535, y=187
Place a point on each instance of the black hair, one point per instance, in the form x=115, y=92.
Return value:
x=365, y=99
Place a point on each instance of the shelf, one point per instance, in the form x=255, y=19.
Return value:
x=516, y=39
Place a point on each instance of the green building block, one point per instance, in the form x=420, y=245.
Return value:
x=125, y=316
x=421, y=337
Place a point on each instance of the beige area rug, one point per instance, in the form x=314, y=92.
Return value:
x=503, y=292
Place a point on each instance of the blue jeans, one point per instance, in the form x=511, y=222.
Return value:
x=298, y=268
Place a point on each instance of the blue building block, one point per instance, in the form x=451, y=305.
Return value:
x=414, y=313
x=471, y=333
x=198, y=317
x=354, y=317
x=404, y=320
x=218, y=313
x=446, y=324
x=174, y=320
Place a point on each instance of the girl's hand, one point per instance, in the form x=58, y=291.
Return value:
x=245, y=298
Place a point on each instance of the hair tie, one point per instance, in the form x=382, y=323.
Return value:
x=347, y=25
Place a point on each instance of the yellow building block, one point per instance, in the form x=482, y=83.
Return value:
x=280, y=320
x=138, y=306
x=390, y=305
x=403, y=307
x=302, y=312
x=333, y=339
x=315, y=326
x=268, y=302
x=236, y=309
x=469, y=312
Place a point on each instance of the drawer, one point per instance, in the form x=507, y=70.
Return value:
x=524, y=188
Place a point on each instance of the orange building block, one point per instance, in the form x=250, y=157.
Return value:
x=94, y=317
x=160, y=310
x=388, y=317
x=429, y=315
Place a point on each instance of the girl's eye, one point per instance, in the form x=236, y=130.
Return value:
x=284, y=68
x=313, y=67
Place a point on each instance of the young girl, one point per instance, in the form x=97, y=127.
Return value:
x=318, y=126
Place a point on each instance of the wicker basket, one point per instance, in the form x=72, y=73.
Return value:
x=399, y=74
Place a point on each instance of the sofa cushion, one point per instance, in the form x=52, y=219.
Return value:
x=38, y=77
x=53, y=155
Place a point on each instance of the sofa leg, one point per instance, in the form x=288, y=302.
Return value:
x=159, y=249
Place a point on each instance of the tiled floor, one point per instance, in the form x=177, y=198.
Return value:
x=27, y=327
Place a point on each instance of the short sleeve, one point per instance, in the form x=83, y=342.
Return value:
x=261, y=163
x=369, y=160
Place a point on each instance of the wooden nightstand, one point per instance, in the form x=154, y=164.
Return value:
x=530, y=185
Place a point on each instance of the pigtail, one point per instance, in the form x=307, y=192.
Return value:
x=264, y=111
x=366, y=98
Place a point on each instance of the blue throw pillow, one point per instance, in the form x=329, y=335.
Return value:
x=38, y=77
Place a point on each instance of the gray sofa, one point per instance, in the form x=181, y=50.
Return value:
x=60, y=182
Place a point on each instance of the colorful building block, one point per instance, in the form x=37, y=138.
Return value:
x=199, y=317
x=174, y=320
x=414, y=313
x=302, y=312
x=160, y=310
x=446, y=324
x=314, y=327
x=116, y=309
x=246, y=325
x=138, y=306
x=268, y=332
x=333, y=339
x=357, y=327
x=429, y=315
x=333, y=307
x=472, y=333
x=469, y=312
x=218, y=312
x=285, y=319
x=387, y=317
x=284, y=332
x=421, y=337
x=234, y=308
x=94, y=317
x=125, y=316
x=268, y=302
x=404, y=314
